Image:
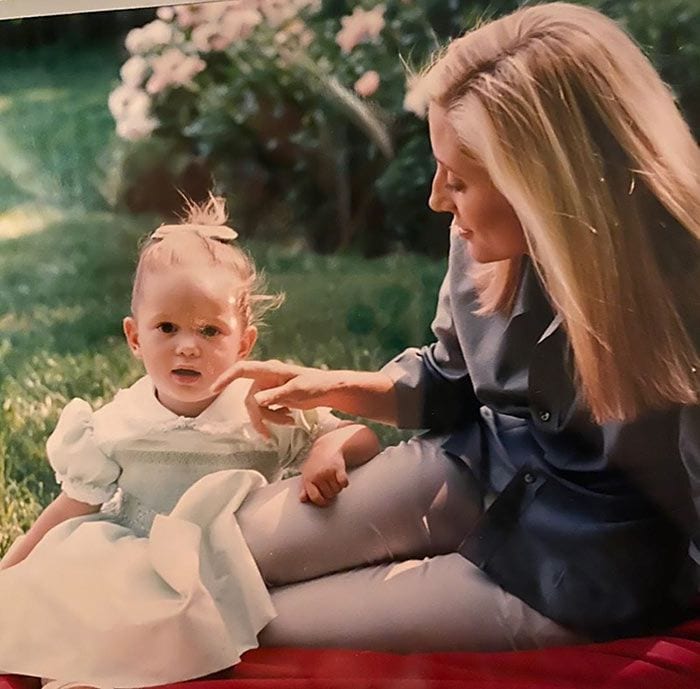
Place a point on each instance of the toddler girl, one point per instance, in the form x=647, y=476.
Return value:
x=137, y=574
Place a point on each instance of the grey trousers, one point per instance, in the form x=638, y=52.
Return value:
x=378, y=569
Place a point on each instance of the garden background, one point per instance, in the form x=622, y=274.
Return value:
x=295, y=110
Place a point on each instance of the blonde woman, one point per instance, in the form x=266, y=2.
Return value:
x=563, y=378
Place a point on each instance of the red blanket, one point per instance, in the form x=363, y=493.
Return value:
x=668, y=661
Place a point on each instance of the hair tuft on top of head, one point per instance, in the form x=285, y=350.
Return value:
x=163, y=250
x=211, y=212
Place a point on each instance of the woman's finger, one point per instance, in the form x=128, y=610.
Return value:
x=255, y=413
x=294, y=393
x=271, y=396
x=265, y=373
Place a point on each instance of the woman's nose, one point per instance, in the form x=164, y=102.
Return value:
x=439, y=200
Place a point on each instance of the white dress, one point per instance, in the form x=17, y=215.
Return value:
x=160, y=585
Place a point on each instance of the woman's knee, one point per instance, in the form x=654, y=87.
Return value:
x=412, y=500
x=447, y=494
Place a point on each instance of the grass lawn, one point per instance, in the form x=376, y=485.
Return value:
x=66, y=264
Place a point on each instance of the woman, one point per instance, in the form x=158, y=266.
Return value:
x=557, y=505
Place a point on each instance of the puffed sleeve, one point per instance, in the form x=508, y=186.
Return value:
x=83, y=470
x=432, y=384
x=295, y=441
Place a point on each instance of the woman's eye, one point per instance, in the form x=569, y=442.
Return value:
x=209, y=331
x=454, y=185
x=167, y=328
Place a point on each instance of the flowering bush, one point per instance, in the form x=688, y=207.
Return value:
x=297, y=110
x=294, y=107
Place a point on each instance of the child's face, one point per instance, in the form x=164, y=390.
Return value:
x=187, y=331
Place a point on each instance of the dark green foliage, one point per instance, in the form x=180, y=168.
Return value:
x=284, y=140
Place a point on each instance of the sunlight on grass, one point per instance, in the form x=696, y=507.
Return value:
x=55, y=124
x=27, y=218
x=44, y=95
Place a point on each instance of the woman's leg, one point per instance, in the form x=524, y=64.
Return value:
x=443, y=603
x=412, y=500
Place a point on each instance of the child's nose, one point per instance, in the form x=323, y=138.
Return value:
x=187, y=345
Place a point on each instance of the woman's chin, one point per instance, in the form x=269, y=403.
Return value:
x=482, y=254
x=479, y=254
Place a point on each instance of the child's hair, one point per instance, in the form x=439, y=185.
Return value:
x=203, y=230
x=580, y=134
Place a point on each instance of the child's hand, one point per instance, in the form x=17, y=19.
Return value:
x=322, y=478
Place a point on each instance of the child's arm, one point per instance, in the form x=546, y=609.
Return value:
x=58, y=511
x=323, y=473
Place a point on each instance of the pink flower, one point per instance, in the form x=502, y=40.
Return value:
x=415, y=100
x=207, y=37
x=278, y=12
x=136, y=128
x=296, y=31
x=212, y=11
x=367, y=84
x=127, y=101
x=166, y=14
x=173, y=68
x=189, y=16
x=131, y=108
x=361, y=25
x=153, y=35
x=239, y=24
x=133, y=71
x=186, y=15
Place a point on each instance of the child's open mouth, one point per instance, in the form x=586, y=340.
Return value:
x=186, y=376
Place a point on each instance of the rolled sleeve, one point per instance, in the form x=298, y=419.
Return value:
x=433, y=386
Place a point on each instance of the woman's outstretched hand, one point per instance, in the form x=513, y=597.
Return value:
x=278, y=387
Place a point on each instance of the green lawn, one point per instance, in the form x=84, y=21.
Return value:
x=66, y=264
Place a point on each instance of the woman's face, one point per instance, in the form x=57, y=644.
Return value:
x=481, y=214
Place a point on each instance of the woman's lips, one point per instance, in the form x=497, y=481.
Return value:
x=185, y=376
x=461, y=231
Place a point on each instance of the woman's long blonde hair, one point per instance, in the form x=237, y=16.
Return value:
x=578, y=131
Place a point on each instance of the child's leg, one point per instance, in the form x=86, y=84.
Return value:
x=439, y=604
x=412, y=500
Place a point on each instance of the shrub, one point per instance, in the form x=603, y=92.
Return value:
x=296, y=110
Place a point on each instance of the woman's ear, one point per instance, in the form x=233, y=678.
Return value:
x=248, y=340
x=131, y=333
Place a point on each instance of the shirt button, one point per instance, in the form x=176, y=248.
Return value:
x=545, y=416
x=529, y=477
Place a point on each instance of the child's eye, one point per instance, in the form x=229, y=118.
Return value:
x=209, y=330
x=167, y=328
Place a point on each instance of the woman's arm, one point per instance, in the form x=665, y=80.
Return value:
x=323, y=473
x=428, y=387
x=288, y=386
x=58, y=511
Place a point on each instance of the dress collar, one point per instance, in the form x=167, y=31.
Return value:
x=228, y=409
